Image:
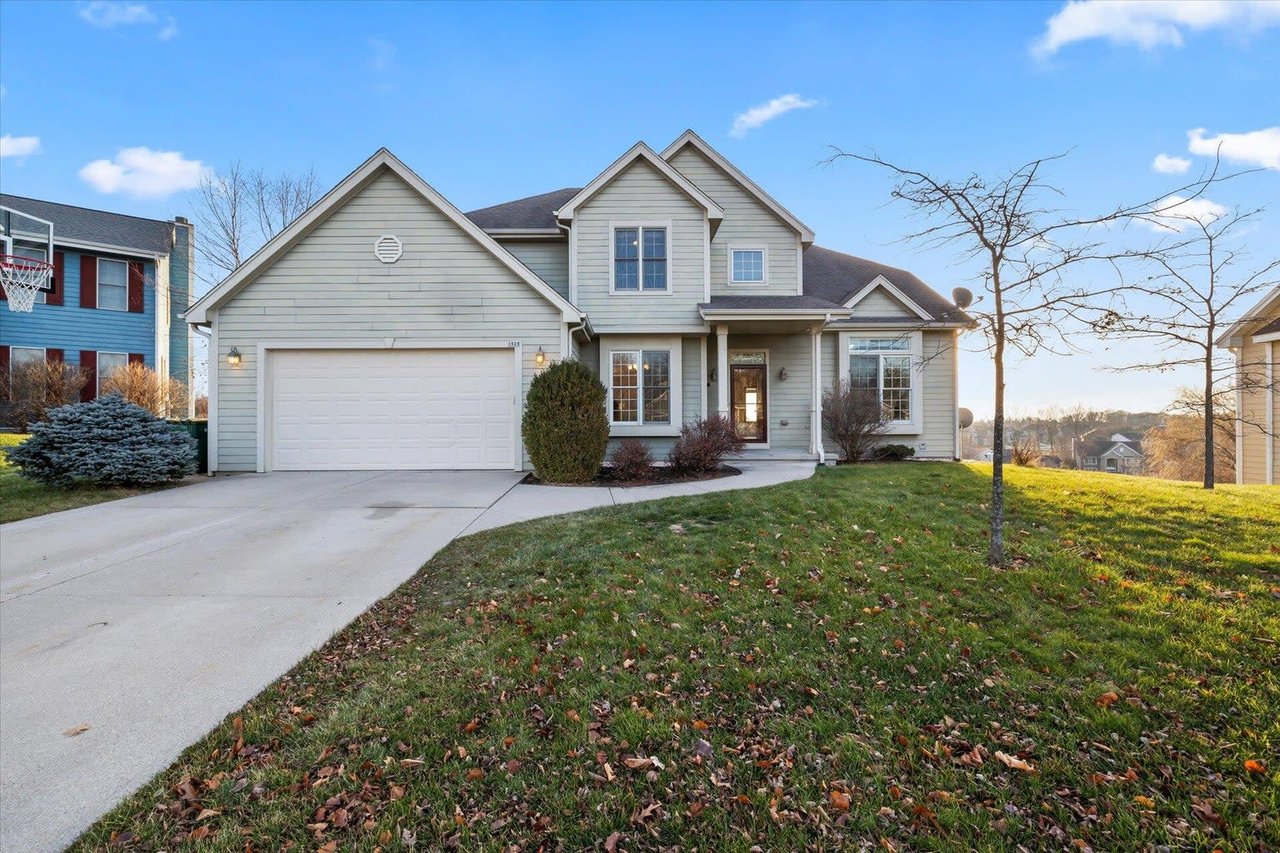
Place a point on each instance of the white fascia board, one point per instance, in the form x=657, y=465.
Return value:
x=766, y=314
x=337, y=196
x=881, y=281
x=740, y=178
x=640, y=151
x=59, y=242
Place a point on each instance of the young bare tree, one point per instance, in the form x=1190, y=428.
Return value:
x=162, y=396
x=32, y=389
x=854, y=418
x=1192, y=285
x=1023, y=248
x=237, y=210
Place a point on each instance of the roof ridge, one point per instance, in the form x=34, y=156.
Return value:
x=89, y=209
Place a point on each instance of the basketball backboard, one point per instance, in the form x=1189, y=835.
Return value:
x=26, y=236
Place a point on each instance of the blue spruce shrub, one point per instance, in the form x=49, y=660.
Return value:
x=108, y=441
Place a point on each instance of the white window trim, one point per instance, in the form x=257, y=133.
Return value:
x=98, y=371
x=609, y=344
x=44, y=356
x=915, y=426
x=747, y=247
x=97, y=298
x=768, y=394
x=613, y=249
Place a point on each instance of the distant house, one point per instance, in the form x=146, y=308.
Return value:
x=1254, y=341
x=1115, y=453
x=120, y=286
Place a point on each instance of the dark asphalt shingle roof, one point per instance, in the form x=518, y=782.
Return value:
x=150, y=236
x=830, y=277
x=1273, y=326
x=536, y=211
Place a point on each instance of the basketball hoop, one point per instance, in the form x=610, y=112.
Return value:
x=22, y=278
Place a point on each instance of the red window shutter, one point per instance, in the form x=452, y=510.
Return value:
x=89, y=283
x=4, y=369
x=89, y=364
x=136, y=302
x=54, y=297
x=136, y=358
x=55, y=356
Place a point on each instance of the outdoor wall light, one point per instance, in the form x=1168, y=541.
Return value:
x=782, y=375
x=540, y=357
x=233, y=357
x=712, y=375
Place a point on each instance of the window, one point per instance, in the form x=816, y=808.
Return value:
x=639, y=260
x=108, y=363
x=113, y=285
x=746, y=266
x=885, y=366
x=36, y=253
x=21, y=356
x=640, y=387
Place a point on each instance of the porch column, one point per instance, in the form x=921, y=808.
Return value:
x=722, y=369
x=815, y=419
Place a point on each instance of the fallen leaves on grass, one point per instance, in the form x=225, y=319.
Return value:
x=1015, y=763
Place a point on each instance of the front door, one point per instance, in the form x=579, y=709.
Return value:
x=747, y=392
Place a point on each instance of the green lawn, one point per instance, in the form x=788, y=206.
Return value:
x=22, y=498
x=819, y=665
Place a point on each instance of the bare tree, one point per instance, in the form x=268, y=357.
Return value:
x=33, y=388
x=162, y=396
x=854, y=418
x=1192, y=285
x=1176, y=449
x=237, y=210
x=1023, y=248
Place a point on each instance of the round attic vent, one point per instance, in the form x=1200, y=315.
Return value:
x=388, y=248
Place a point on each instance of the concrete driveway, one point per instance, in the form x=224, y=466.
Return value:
x=150, y=619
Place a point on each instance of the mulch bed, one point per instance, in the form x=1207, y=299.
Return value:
x=659, y=475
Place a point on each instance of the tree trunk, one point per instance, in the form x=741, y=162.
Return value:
x=1208, y=421
x=995, y=556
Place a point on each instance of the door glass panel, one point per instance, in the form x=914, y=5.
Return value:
x=747, y=390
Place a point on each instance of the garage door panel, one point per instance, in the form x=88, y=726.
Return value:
x=391, y=409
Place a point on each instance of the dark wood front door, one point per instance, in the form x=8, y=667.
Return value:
x=750, y=410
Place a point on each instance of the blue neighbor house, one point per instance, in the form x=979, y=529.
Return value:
x=120, y=287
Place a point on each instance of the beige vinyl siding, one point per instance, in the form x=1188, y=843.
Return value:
x=881, y=303
x=549, y=259
x=747, y=224
x=640, y=194
x=936, y=437
x=789, y=400
x=329, y=287
x=1252, y=457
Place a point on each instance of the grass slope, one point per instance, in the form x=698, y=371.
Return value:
x=22, y=498
x=825, y=664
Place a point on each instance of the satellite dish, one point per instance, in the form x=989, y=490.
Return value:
x=962, y=297
x=966, y=418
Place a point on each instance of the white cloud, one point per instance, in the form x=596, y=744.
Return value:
x=1178, y=213
x=106, y=14
x=18, y=146
x=1255, y=148
x=1166, y=165
x=1152, y=23
x=382, y=53
x=761, y=113
x=143, y=172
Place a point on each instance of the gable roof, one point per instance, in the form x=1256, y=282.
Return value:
x=737, y=176
x=1267, y=309
x=640, y=151
x=837, y=278
x=532, y=213
x=339, y=195
x=99, y=228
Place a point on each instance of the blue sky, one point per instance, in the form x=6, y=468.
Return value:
x=492, y=102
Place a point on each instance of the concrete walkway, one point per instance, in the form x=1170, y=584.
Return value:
x=151, y=618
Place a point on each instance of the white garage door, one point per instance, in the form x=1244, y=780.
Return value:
x=390, y=409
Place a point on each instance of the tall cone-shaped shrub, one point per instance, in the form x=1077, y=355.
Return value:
x=565, y=427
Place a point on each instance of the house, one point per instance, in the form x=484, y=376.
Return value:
x=387, y=329
x=120, y=287
x=1114, y=453
x=1254, y=341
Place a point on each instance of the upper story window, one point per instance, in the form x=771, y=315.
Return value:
x=640, y=260
x=746, y=266
x=884, y=365
x=113, y=284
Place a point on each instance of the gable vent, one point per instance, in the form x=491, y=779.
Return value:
x=388, y=248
